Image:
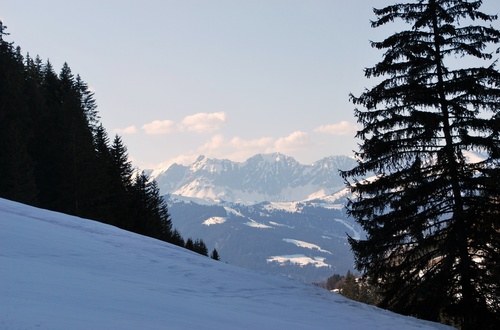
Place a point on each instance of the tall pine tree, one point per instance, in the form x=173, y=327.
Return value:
x=431, y=212
x=17, y=179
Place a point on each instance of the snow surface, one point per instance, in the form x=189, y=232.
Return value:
x=299, y=259
x=305, y=245
x=214, y=221
x=255, y=224
x=355, y=234
x=64, y=272
x=283, y=206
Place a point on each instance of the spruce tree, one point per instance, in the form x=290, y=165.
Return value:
x=47, y=145
x=177, y=239
x=431, y=212
x=76, y=146
x=159, y=210
x=200, y=247
x=215, y=255
x=106, y=202
x=189, y=244
x=151, y=211
x=88, y=104
x=16, y=165
x=122, y=165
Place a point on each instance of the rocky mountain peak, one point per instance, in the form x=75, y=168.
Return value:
x=263, y=177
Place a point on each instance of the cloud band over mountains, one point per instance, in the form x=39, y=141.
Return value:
x=203, y=122
x=233, y=146
x=197, y=123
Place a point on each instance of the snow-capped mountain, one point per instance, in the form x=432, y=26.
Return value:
x=271, y=177
x=63, y=272
x=269, y=213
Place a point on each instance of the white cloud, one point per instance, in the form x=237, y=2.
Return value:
x=199, y=123
x=214, y=145
x=127, y=130
x=342, y=128
x=239, y=149
x=160, y=127
x=294, y=141
x=204, y=122
x=254, y=144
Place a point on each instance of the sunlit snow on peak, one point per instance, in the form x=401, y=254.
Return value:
x=306, y=245
x=214, y=221
x=255, y=224
x=299, y=259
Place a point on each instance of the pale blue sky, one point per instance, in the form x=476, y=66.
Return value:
x=223, y=78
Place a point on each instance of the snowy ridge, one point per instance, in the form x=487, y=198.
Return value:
x=270, y=177
x=64, y=272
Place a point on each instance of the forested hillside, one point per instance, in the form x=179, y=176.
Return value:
x=55, y=154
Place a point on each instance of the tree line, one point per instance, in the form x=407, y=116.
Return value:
x=351, y=286
x=55, y=154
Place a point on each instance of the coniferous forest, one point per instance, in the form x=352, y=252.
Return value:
x=56, y=155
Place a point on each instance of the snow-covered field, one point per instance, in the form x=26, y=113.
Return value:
x=63, y=272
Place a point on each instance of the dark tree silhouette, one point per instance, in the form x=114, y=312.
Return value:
x=431, y=213
x=16, y=165
x=55, y=154
x=215, y=255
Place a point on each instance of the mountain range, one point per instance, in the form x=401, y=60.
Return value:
x=263, y=177
x=269, y=213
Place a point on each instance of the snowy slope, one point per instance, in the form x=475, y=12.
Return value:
x=63, y=272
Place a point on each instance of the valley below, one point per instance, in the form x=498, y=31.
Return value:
x=270, y=213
